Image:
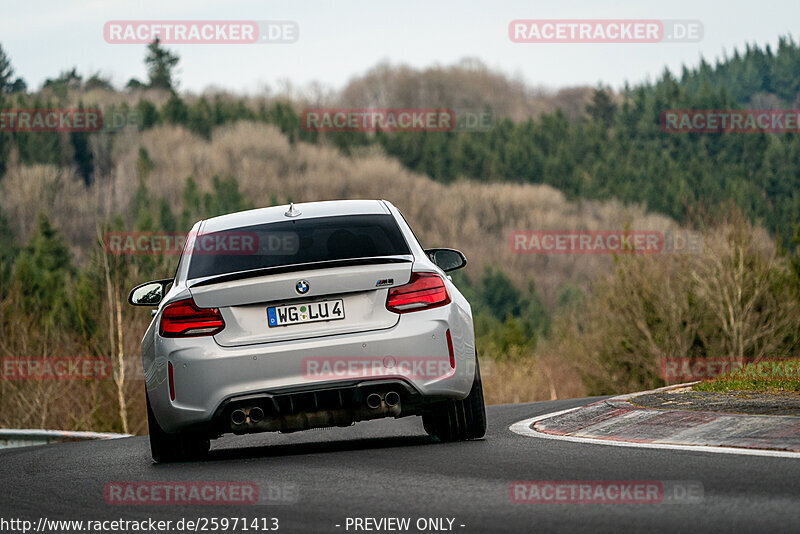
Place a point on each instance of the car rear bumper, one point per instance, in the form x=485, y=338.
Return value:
x=207, y=376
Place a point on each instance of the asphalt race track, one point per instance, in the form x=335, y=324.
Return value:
x=390, y=468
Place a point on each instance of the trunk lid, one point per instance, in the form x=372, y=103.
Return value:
x=360, y=284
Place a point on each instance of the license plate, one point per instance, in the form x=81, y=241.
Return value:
x=312, y=312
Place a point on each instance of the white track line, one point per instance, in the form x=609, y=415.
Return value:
x=523, y=428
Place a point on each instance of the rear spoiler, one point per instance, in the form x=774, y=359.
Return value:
x=313, y=266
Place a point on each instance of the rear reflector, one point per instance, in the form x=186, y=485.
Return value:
x=423, y=292
x=450, y=350
x=185, y=319
x=171, y=382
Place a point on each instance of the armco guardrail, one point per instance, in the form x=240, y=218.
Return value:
x=12, y=437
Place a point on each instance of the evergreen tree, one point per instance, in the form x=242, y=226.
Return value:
x=82, y=153
x=602, y=108
x=161, y=64
x=7, y=83
x=147, y=113
x=41, y=273
x=6, y=70
x=175, y=111
x=8, y=252
x=226, y=198
x=200, y=118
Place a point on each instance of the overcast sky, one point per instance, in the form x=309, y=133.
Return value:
x=342, y=38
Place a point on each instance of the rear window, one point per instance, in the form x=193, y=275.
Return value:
x=294, y=242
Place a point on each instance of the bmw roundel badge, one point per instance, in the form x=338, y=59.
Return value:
x=301, y=286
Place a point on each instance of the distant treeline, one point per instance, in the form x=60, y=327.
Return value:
x=617, y=151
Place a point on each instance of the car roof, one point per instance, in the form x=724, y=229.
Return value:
x=308, y=210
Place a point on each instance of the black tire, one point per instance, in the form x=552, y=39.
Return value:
x=459, y=420
x=182, y=446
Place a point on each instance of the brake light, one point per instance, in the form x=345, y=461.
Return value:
x=423, y=292
x=185, y=319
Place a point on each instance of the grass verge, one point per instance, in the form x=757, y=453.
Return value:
x=761, y=377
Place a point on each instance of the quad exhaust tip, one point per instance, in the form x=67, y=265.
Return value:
x=373, y=400
x=256, y=414
x=238, y=417
x=392, y=399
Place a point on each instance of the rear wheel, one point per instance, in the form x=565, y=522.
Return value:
x=459, y=420
x=176, y=447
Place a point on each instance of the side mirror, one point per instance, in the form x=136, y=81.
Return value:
x=447, y=259
x=149, y=293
